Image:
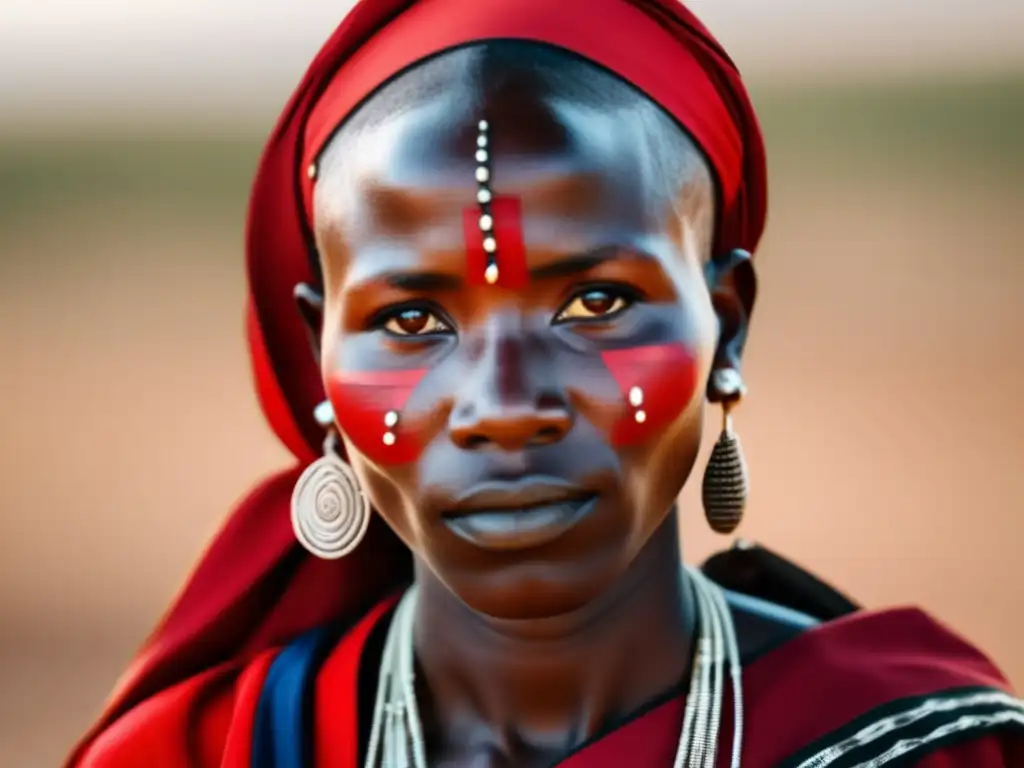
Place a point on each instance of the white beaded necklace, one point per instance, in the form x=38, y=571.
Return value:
x=396, y=738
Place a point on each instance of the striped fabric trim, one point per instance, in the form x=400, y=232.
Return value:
x=282, y=734
x=910, y=728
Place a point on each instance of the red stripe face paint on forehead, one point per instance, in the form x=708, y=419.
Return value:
x=657, y=383
x=505, y=223
x=368, y=408
x=495, y=254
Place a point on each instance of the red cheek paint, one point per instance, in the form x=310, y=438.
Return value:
x=507, y=217
x=666, y=377
x=363, y=399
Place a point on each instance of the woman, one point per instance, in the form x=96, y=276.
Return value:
x=518, y=235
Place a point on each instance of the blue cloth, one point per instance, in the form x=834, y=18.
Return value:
x=283, y=730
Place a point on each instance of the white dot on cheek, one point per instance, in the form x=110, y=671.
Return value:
x=636, y=397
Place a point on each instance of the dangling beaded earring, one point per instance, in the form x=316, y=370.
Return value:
x=330, y=514
x=726, y=485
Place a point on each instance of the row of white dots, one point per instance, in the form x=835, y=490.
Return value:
x=483, y=196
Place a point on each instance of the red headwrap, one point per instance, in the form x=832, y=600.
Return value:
x=255, y=587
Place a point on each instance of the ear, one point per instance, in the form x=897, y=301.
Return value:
x=732, y=283
x=311, y=306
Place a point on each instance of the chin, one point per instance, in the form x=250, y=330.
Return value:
x=536, y=588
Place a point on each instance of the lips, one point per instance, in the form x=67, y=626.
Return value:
x=519, y=514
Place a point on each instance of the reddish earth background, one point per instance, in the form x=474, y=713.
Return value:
x=883, y=430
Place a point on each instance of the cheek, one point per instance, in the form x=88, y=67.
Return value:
x=657, y=383
x=368, y=408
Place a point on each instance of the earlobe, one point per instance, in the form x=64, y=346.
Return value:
x=310, y=303
x=726, y=386
x=732, y=283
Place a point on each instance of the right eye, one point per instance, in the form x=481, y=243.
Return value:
x=415, y=321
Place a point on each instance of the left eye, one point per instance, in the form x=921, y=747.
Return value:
x=594, y=303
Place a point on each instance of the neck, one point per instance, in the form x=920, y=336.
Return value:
x=541, y=686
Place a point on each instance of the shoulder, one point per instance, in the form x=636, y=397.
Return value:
x=762, y=626
x=189, y=724
x=892, y=684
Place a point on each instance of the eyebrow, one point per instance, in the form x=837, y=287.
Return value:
x=423, y=281
x=574, y=265
x=416, y=282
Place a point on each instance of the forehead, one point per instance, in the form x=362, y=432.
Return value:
x=585, y=174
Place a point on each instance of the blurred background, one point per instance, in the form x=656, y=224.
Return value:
x=884, y=424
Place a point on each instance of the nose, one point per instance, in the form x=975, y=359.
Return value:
x=512, y=429
x=509, y=403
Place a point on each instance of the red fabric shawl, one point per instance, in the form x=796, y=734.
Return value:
x=255, y=587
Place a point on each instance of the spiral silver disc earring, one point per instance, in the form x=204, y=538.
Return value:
x=330, y=514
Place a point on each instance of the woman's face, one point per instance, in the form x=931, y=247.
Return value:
x=524, y=438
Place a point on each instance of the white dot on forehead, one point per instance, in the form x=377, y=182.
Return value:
x=481, y=155
x=483, y=196
x=482, y=175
